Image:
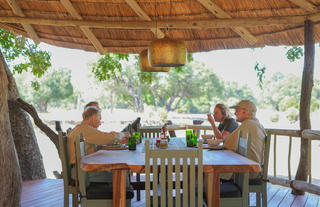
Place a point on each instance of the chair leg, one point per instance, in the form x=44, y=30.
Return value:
x=74, y=200
x=138, y=191
x=264, y=198
x=66, y=199
x=258, y=199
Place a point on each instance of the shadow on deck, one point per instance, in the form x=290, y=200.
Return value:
x=49, y=192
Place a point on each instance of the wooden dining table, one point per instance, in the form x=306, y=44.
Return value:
x=119, y=161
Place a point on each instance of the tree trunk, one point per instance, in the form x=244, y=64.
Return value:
x=10, y=173
x=30, y=158
x=305, y=99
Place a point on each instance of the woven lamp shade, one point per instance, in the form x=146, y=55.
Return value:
x=146, y=67
x=167, y=52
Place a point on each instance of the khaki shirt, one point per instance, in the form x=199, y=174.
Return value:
x=92, y=137
x=258, y=134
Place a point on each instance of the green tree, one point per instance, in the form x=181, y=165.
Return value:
x=283, y=92
x=234, y=90
x=54, y=87
x=124, y=82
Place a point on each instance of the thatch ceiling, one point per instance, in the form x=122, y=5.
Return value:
x=128, y=26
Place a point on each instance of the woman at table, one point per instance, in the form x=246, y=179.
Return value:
x=227, y=124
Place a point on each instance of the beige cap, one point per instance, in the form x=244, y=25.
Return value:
x=248, y=105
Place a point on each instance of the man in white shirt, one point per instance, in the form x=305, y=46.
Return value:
x=93, y=137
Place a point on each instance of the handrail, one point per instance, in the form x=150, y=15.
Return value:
x=305, y=134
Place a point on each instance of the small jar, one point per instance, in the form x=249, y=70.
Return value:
x=163, y=143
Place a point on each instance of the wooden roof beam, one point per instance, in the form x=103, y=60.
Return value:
x=314, y=17
x=220, y=13
x=139, y=11
x=306, y=5
x=87, y=32
x=16, y=9
x=178, y=24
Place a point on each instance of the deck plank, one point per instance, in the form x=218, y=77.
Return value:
x=278, y=197
x=300, y=200
x=312, y=201
x=272, y=190
x=49, y=192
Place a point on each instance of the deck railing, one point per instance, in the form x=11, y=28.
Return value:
x=310, y=135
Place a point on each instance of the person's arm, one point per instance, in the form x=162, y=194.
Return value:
x=95, y=136
x=216, y=131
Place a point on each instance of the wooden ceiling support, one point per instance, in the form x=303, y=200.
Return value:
x=31, y=32
x=314, y=17
x=178, y=24
x=220, y=13
x=87, y=32
x=306, y=5
x=139, y=11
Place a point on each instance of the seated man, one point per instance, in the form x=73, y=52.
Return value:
x=246, y=114
x=91, y=121
x=92, y=103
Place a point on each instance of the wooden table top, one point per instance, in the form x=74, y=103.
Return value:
x=213, y=160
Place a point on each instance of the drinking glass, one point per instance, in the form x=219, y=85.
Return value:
x=188, y=136
x=132, y=143
x=137, y=135
x=194, y=139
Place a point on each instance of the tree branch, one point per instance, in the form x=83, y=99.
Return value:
x=42, y=126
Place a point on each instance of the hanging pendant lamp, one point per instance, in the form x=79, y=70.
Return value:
x=167, y=52
x=146, y=67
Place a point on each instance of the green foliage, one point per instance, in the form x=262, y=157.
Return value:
x=292, y=114
x=283, y=92
x=55, y=86
x=294, y=53
x=238, y=92
x=109, y=66
x=33, y=59
x=260, y=74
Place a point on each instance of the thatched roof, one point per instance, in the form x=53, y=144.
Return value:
x=128, y=26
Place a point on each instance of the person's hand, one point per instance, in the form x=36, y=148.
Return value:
x=124, y=140
x=210, y=118
x=126, y=134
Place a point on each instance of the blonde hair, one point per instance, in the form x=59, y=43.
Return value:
x=224, y=110
x=90, y=111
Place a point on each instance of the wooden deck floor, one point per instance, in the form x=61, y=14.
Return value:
x=49, y=192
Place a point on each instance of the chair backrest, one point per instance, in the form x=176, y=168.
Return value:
x=244, y=143
x=64, y=157
x=82, y=175
x=265, y=162
x=135, y=125
x=152, y=132
x=174, y=162
x=242, y=179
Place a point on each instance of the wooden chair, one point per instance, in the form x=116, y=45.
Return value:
x=236, y=192
x=145, y=133
x=152, y=132
x=174, y=162
x=259, y=185
x=69, y=184
x=94, y=194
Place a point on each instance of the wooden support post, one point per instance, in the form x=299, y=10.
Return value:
x=305, y=99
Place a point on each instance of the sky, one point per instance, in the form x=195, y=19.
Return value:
x=231, y=65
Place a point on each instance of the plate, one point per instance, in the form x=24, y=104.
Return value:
x=216, y=147
x=114, y=147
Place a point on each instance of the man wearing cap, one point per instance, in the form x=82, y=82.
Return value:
x=246, y=115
